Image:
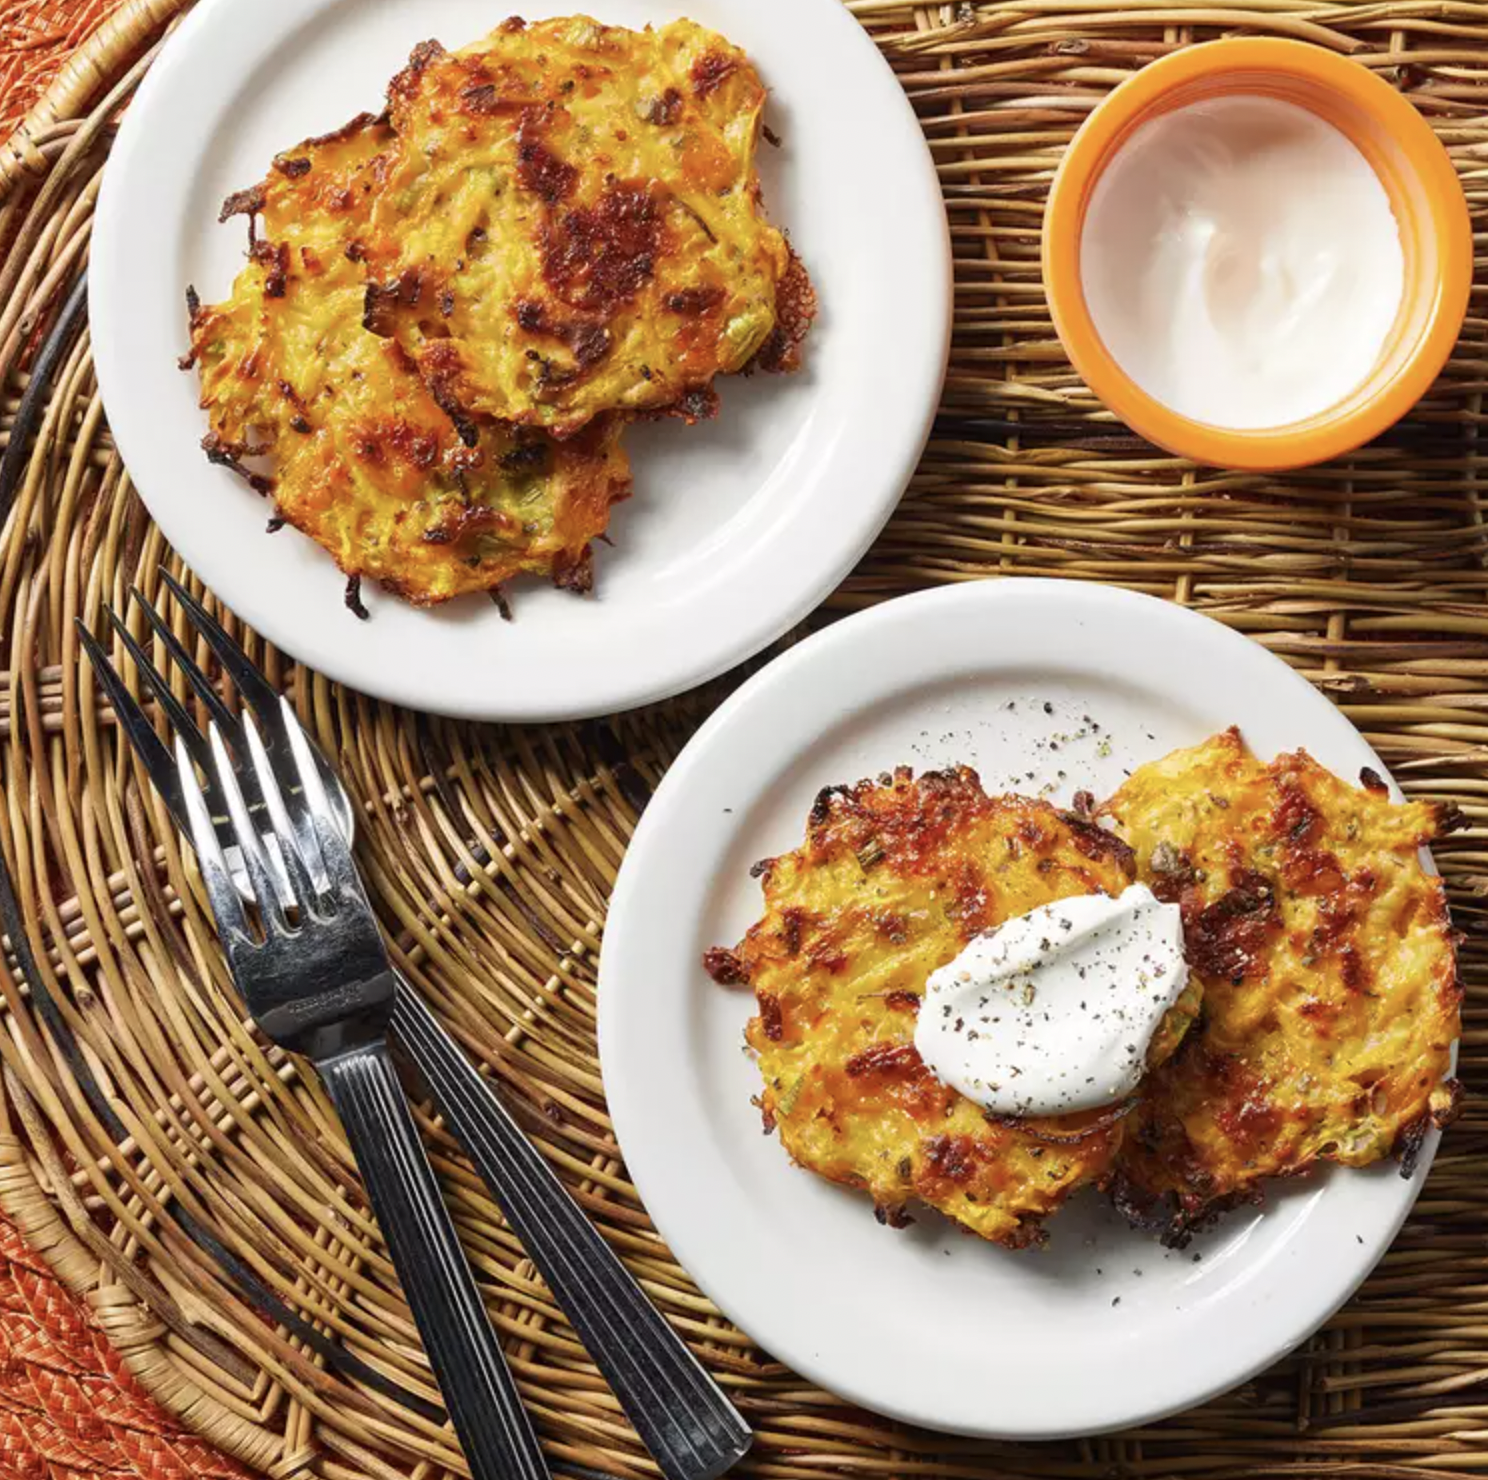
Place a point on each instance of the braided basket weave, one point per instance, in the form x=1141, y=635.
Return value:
x=68, y=1408
x=194, y=1185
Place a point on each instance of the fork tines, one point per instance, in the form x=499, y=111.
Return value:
x=250, y=684
x=276, y=724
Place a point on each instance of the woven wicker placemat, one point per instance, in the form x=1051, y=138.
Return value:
x=187, y=1178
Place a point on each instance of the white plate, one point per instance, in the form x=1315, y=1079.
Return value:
x=737, y=528
x=1102, y=1329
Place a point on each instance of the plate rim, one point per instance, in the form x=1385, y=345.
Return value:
x=606, y=686
x=625, y=1105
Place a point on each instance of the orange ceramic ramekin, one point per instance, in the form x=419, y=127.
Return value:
x=1424, y=193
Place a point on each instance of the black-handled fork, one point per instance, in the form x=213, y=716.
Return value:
x=686, y=1422
x=317, y=980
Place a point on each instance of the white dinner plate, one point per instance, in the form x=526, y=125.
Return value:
x=1103, y=1328
x=737, y=528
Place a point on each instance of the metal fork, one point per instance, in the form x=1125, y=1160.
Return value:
x=320, y=984
x=686, y=1422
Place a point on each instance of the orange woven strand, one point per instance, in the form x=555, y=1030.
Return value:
x=68, y=1408
x=36, y=38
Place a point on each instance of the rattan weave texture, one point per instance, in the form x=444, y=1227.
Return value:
x=491, y=850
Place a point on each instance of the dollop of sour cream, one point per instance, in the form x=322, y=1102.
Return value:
x=1241, y=261
x=1053, y=1012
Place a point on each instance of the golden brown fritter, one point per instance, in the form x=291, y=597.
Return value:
x=363, y=459
x=894, y=878
x=1331, y=998
x=571, y=224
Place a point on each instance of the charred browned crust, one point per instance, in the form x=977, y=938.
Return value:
x=348, y=130
x=382, y=300
x=1095, y=841
x=701, y=403
x=1450, y=1105
x=1325, y=953
x=397, y=487
x=225, y=454
x=242, y=203
x=274, y=257
x=795, y=310
x=604, y=239
x=405, y=83
x=541, y=171
x=725, y=967
x=325, y=227
x=909, y=821
x=1231, y=938
x=441, y=373
x=894, y=876
x=1163, y=1214
x=711, y=71
x=1449, y=818
x=575, y=573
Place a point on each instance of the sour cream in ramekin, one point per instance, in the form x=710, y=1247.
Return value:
x=1241, y=261
x=1219, y=264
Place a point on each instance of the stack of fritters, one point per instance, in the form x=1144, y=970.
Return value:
x=449, y=311
x=894, y=878
x=364, y=460
x=1318, y=1021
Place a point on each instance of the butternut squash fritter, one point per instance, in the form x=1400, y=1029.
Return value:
x=364, y=460
x=894, y=878
x=1330, y=988
x=571, y=224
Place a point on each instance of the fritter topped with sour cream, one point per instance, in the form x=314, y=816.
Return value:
x=894, y=878
x=1330, y=988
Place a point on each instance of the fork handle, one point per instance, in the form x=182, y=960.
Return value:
x=690, y=1427
x=478, y=1388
